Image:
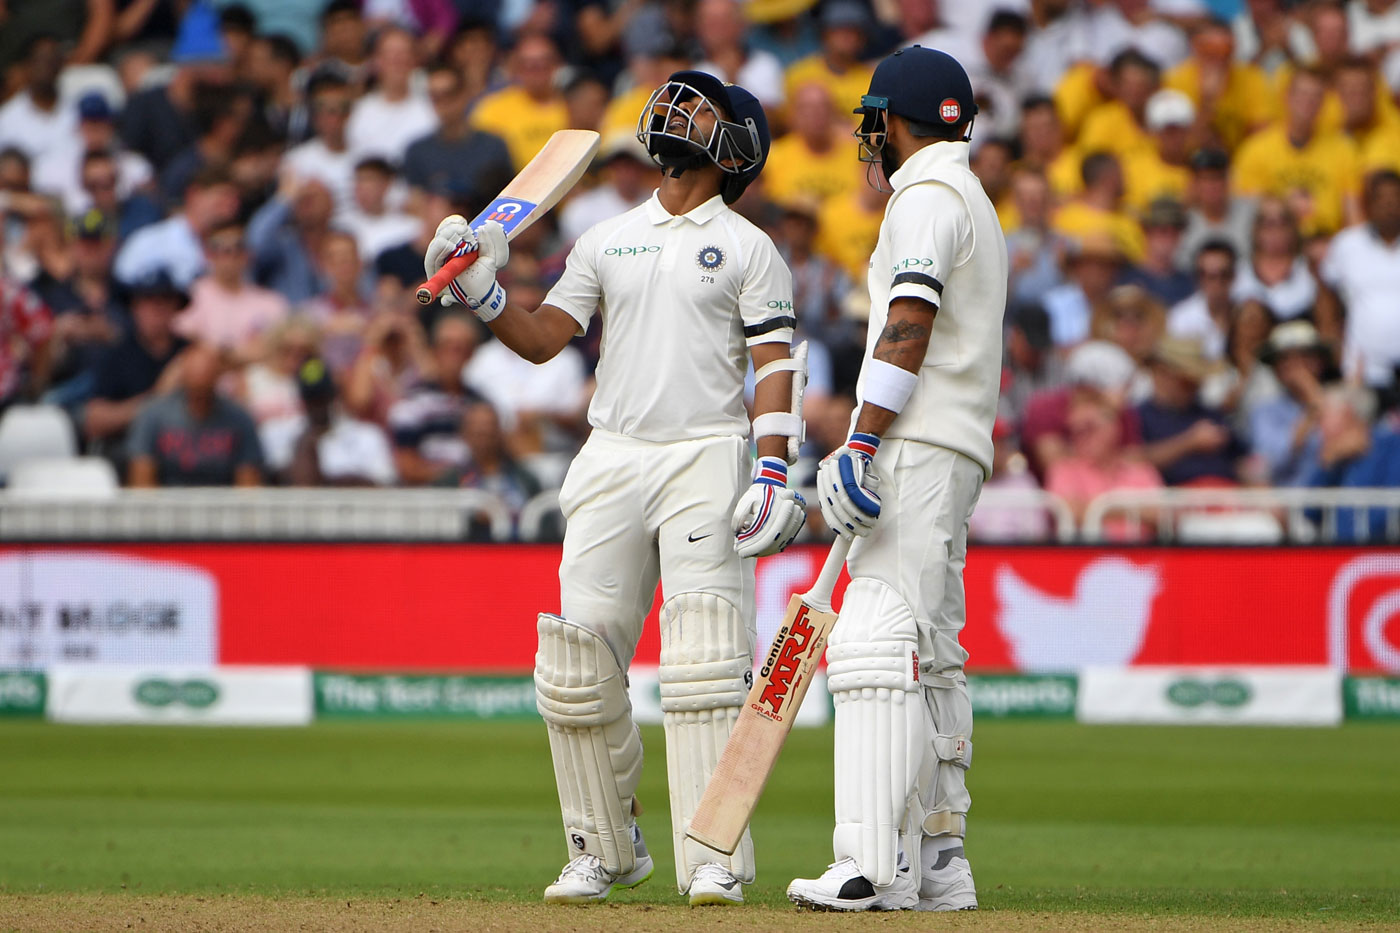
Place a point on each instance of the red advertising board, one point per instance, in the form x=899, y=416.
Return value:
x=406, y=607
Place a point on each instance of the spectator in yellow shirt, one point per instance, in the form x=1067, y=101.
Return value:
x=530, y=109
x=1119, y=126
x=845, y=25
x=849, y=224
x=1377, y=138
x=1083, y=87
x=1233, y=97
x=1162, y=172
x=1043, y=147
x=1098, y=211
x=814, y=159
x=1317, y=173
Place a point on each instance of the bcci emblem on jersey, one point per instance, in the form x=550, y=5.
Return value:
x=710, y=258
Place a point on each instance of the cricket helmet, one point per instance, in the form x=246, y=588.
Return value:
x=738, y=142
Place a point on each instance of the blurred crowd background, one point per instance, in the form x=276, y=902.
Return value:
x=214, y=215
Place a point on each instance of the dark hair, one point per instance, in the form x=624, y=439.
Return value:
x=283, y=48
x=223, y=225
x=16, y=154
x=214, y=103
x=442, y=67
x=1217, y=244
x=582, y=77
x=1095, y=166
x=1132, y=58
x=1004, y=19
x=325, y=79
x=237, y=18
x=1379, y=179
x=376, y=164
x=337, y=7
x=34, y=41
x=211, y=176
x=1036, y=102
x=93, y=155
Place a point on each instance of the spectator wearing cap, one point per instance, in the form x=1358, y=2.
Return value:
x=627, y=176
x=489, y=466
x=26, y=324
x=1277, y=273
x=326, y=157
x=227, y=310
x=1035, y=252
x=455, y=156
x=1119, y=125
x=839, y=64
x=1029, y=363
x=1188, y=442
x=1207, y=314
x=376, y=225
x=1211, y=212
x=1318, y=171
x=324, y=445
x=1092, y=267
x=1232, y=95
x=60, y=173
x=1044, y=149
x=1098, y=210
x=394, y=114
x=194, y=436
x=1283, y=430
x=35, y=120
x=1362, y=271
x=139, y=366
x=1354, y=452
x=1161, y=172
x=1096, y=461
x=1157, y=273
x=814, y=159
x=530, y=109
x=285, y=236
x=425, y=424
x=1097, y=370
x=720, y=29
x=175, y=245
x=88, y=317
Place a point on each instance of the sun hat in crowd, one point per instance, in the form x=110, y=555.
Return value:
x=1100, y=364
x=1184, y=355
x=1293, y=336
x=1169, y=108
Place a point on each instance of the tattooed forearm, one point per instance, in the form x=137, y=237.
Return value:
x=899, y=332
x=903, y=343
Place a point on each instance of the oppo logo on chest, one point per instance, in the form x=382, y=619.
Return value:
x=627, y=252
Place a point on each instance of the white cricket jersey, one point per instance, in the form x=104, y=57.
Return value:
x=941, y=242
x=682, y=297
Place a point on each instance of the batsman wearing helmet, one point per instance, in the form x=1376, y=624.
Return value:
x=903, y=486
x=688, y=292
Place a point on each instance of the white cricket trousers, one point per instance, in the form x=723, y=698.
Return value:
x=638, y=510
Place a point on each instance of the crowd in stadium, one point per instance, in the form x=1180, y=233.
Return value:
x=214, y=217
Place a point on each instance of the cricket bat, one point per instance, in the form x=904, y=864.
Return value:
x=541, y=183
x=753, y=747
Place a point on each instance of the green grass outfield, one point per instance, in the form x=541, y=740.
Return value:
x=1298, y=825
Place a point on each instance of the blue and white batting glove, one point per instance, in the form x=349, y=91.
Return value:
x=846, y=487
x=476, y=288
x=769, y=515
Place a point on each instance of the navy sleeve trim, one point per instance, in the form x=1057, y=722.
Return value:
x=918, y=278
x=768, y=326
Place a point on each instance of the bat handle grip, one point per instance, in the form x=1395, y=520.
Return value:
x=449, y=271
x=819, y=596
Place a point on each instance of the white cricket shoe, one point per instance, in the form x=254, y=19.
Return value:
x=584, y=880
x=714, y=884
x=947, y=883
x=843, y=887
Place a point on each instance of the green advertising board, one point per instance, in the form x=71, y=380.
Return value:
x=1371, y=697
x=1041, y=696
x=390, y=696
x=22, y=693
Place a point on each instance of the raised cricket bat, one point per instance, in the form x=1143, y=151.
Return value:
x=541, y=183
x=753, y=747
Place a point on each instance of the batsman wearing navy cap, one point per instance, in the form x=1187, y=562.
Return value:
x=903, y=487
x=689, y=293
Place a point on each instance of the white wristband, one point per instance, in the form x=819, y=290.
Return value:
x=887, y=385
x=491, y=305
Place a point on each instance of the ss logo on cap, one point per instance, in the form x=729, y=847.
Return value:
x=949, y=110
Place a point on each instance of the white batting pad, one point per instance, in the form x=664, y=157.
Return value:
x=706, y=671
x=882, y=725
x=581, y=693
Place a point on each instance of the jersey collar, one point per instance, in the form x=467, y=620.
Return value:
x=699, y=215
x=924, y=163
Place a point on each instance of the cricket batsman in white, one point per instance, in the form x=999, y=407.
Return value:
x=689, y=292
x=926, y=400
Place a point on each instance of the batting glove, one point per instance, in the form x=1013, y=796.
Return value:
x=476, y=288
x=769, y=515
x=846, y=486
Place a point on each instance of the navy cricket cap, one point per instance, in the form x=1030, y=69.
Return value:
x=923, y=85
